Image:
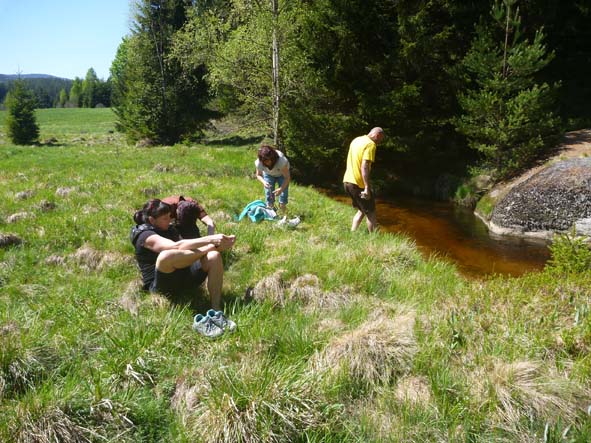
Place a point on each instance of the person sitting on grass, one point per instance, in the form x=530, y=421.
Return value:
x=171, y=265
x=272, y=168
x=185, y=212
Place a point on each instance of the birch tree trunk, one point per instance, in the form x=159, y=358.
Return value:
x=276, y=87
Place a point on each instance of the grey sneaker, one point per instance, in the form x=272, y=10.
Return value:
x=221, y=321
x=205, y=326
x=294, y=222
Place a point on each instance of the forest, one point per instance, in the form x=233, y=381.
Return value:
x=461, y=87
x=55, y=92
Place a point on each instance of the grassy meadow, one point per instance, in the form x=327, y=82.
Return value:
x=348, y=337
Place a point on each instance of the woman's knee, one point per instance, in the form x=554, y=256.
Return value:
x=165, y=260
x=213, y=259
x=214, y=256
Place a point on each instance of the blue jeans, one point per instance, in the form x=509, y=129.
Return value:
x=271, y=180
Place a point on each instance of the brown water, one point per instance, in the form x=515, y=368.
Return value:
x=456, y=234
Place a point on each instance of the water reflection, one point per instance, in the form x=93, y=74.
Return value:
x=456, y=234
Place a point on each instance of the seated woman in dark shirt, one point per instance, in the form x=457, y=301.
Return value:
x=171, y=265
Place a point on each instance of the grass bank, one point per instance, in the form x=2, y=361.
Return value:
x=349, y=337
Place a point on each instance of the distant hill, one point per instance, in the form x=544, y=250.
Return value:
x=6, y=77
x=45, y=87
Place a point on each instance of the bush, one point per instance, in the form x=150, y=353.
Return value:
x=570, y=254
x=21, y=124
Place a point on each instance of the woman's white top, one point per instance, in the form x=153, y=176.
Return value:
x=275, y=171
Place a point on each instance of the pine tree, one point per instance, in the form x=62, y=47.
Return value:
x=21, y=123
x=508, y=117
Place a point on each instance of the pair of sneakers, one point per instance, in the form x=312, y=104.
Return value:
x=213, y=324
x=292, y=223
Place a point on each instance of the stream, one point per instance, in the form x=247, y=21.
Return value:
x=456, y=234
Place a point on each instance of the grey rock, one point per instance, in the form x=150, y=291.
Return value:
x=583, y=227
x=554, y=199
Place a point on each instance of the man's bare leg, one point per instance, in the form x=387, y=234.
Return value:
x=372, y=222
x=357, y=220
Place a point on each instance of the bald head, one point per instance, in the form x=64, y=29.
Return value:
x=376, y=134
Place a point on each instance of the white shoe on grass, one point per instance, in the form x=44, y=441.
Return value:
x=221, y=321
x=206, y=326
x=294, y=222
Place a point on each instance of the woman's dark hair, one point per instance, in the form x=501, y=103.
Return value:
x=267, y=152
x=153, y=208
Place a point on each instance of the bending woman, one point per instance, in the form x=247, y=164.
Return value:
x=272, y=168
x=172, y=266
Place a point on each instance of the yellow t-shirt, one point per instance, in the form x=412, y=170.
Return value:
x=361, y=148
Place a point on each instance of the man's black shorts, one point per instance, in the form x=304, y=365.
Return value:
x=367, y=206
x=180, y=281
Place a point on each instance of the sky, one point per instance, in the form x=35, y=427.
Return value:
x=63, y=38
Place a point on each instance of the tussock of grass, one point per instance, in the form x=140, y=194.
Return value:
x=525, y=391
x=304, y=289
x=50, y=426
x=106, y=412
x=19, y=216
x=9, y=240
x=46, y=206
x=55, y=260
x=255, y=403
x=272, y=289
x=93, y=260
x=66, y=191
x=21, y=369
x=24, y=195
x=373, y=353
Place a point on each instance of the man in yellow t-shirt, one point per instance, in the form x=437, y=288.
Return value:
x=362, y=152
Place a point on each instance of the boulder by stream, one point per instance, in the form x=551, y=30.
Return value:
x=551, y=198
x=554, y=199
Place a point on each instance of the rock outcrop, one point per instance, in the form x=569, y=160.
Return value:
x=552, y=200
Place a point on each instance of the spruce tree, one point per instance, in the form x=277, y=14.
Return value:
x=157, y=98
x=508, y=116
x=21, y=123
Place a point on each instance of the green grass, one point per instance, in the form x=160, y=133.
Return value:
x=350, y=337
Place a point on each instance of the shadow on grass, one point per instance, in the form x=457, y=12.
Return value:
x=235, y=140
x=198, y=300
